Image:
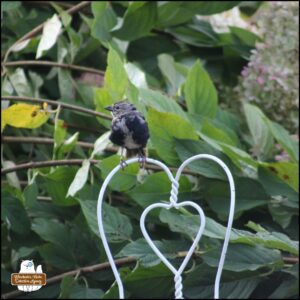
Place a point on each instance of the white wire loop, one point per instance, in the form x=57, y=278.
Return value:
x=173, y=203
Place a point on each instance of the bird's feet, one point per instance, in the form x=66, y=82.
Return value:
x=142, y=161
x=123, y=164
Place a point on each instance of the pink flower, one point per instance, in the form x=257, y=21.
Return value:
x=260, y=80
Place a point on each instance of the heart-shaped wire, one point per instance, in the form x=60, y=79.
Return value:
x=173, y=203
x=177, y=273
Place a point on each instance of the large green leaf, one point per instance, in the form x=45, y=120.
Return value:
x=57, y=184
x=104, y=20
x=79, y=179
x=51, y=231
x=244, y=257
x=122, y=181
x=208, y=168
x=157, y=187
x=172, y=13
x=286, y=171
x=285, y=140
x=13, y=213
x=139, y=19
x=249, y=194
x=161, y=102
x=140, y=250
x=164, y=128
x=260, y=132
x=169, y=69
x=274, y=240
x=200, y=93
x=199, y=284
x=157, y=281
x=115, y=79
x=116, y=225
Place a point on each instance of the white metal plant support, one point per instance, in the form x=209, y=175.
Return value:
x=172, y=203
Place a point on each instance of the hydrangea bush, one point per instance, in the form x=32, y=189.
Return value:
x=271, y=78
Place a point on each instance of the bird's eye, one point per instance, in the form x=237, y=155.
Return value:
x=117, y=107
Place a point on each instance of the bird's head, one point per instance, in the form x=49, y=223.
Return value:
x=120, y=108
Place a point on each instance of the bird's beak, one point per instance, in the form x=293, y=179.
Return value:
x=109, y=108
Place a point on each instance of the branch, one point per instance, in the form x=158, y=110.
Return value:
x=52, y=163
x=40, y=27
x=41, y=63
x=88, y=269
x=38, y=140
x=290, y=260
x=44, y=164
x=57, y=103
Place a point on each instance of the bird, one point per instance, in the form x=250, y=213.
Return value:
x=129, y=130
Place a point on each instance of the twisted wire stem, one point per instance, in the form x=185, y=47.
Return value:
x=178, y=286
x=174, y=192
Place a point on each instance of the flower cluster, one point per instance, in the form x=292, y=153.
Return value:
x=271, y=78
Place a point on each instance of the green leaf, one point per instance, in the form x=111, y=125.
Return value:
x=67, y=145
x=84, y=292
x=117, y=226
x=173, y=77
x=60, y=133
x=275, y=186
x=51, y=231
x=139, y=19
x=100, y=144
x=274, y=240
x=115, y=79
x=157, y=281
x=172, y=13
x=200, y=93
x=164, y=128
x=104, y=21
x=51, y=31
x=20, y=83
x=200, y=282
x=244, y=257
x=80, y=178
x=287, y=172
x=66, y=287
x=156, y=187
x=219, y=134
x=57, y=184
x=122, y=181
x=199, y=33
x=260, y=132
x=244, y=36
x=249, y=194
x=205, y=167
x=285, y=140
x=161, y=102
x=140, y=250
x=10, y=5
x=13, y=213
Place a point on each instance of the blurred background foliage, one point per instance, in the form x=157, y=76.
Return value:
x=216, y=77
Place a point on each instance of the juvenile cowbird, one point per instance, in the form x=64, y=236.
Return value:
x=129, y=130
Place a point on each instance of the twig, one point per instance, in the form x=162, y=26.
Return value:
x=56, y=103
x=44, y=164
x=41, y=63
x=47, y=141
x=52, y=163
x=38, y=140
x=291, y=260
x=39, y=28
x=88, y=269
